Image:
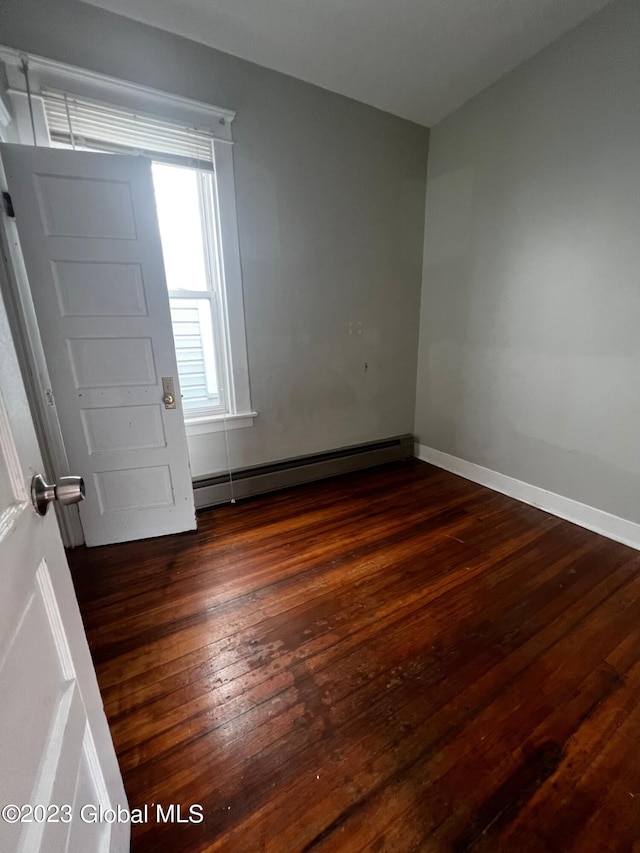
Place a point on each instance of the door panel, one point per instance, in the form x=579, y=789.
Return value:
x=68, y=209
x=134, y=487
x=89, y=233
x=88, y=289
x=123, y=428
x=111, y=362
x=55, y=746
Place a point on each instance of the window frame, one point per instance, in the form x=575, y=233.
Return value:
x=216, y=355
x=49, y=74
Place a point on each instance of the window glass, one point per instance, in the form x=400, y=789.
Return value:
x=179, y=216
x=195, y=352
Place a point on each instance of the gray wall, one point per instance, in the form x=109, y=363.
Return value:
x=330, y=211
x=529, y=358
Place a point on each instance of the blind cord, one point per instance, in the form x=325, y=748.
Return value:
x=71, y=134
x=25, y=71
x=226, y=446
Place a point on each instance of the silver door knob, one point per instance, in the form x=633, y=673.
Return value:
x=68, y=490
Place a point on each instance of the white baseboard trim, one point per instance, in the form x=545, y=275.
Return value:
x=611, y=526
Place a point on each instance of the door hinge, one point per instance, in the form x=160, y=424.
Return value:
x=48, y=395
x=8, y=205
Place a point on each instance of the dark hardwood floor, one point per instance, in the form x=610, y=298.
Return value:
x=392, y=660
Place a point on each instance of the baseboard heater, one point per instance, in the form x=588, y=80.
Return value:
x=216, y=489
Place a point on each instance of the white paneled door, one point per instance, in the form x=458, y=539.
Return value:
x=89, y=235
x=57, y=762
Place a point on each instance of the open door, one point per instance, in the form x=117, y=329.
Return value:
x=56, y=753
x=89, y=235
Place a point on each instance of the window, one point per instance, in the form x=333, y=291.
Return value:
x=186, y=214
x=192, y=168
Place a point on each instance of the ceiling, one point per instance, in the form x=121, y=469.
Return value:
x=419, y=59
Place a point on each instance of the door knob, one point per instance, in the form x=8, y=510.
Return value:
x=68, y=490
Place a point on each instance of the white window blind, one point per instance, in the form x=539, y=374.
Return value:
x=91, y=124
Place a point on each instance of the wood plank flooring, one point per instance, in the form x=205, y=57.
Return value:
x=393, y=660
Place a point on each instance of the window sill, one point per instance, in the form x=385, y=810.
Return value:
x=205, y=424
